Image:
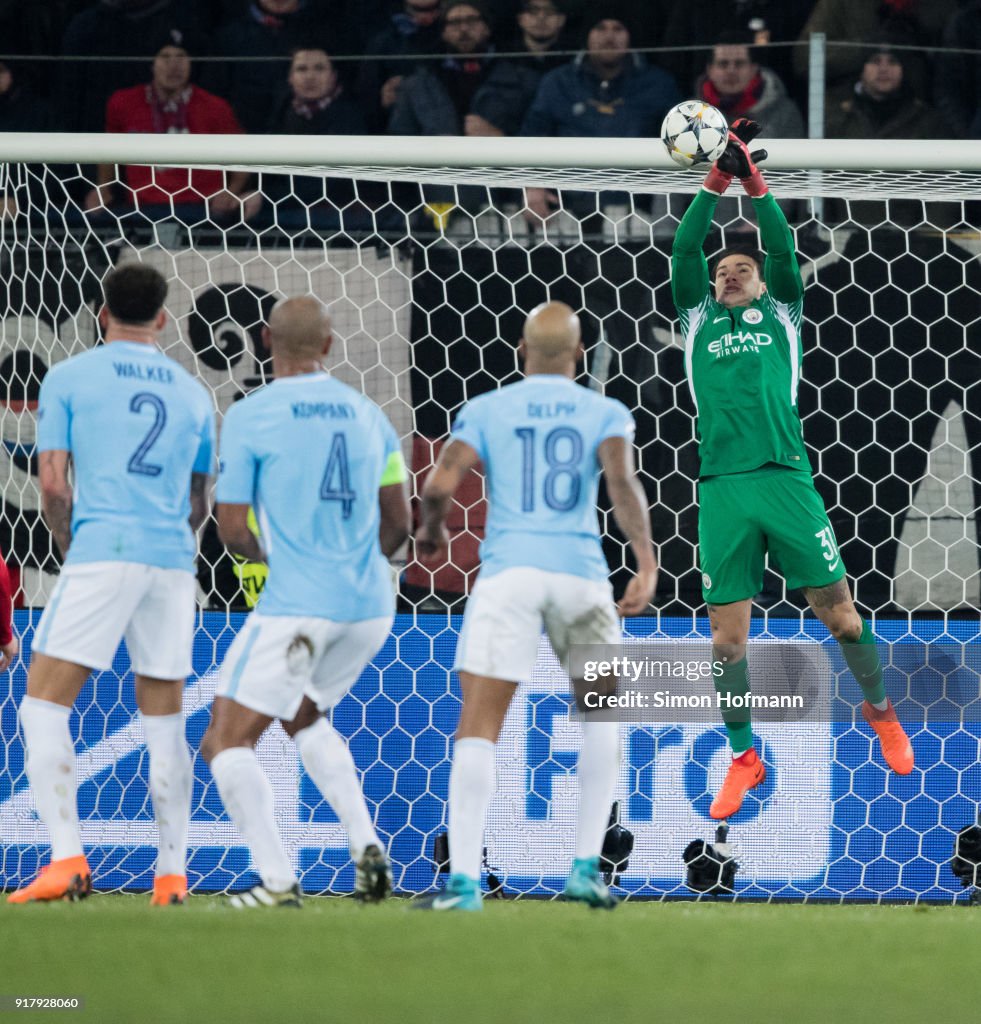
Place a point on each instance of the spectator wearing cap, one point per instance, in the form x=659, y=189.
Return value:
x=883, y=103
x=317, y=104
x=170, y=104
x=854, y=20
x=267, y=28
x=469, y=92
x=605, y=92
x=413, y=30
x=958, y=82
x=736, y=83
x=540, y=32
x=113, y=29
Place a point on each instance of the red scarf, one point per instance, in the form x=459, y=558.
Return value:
x=169, y=116
x=734, y=106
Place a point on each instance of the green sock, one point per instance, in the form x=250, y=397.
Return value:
x=734, y=680
x=862, y=657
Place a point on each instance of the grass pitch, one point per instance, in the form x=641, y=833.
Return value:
x=517, y=963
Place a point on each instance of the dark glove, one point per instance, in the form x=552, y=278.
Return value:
x=739, y=162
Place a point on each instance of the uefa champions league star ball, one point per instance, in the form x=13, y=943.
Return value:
x=694, y=132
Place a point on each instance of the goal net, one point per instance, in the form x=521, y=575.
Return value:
x=430, y=259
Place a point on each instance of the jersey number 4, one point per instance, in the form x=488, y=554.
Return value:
x=336, y=482
x=563, y=453
x=137, y=462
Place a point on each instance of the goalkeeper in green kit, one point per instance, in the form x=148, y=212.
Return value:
x=742, y=335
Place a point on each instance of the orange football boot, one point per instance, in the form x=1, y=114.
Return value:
x=896, y=747
x=65, y=879
x=745, y=772
x=169, y=890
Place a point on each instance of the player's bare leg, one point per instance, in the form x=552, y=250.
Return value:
x=229, y=747
x=730, y=633
x=328, y=762
x=171, y=782
x=52, y=688
x=472, y=780
x=833, y=605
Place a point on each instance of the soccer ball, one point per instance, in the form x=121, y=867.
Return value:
x=694, y=132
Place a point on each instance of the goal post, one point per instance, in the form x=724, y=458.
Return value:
x=425, y=252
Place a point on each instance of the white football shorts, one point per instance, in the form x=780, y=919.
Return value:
x=94, y=605
x=506, y=612
x=277, y=659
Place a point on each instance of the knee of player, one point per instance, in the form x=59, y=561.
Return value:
x=728, y=652
x=846, y=628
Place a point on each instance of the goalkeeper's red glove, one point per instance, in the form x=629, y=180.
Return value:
x=741, y=132
x=738, y=161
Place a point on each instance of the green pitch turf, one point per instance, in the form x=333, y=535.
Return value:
x=517, y=963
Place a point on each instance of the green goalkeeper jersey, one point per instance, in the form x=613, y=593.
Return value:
x=743, y=364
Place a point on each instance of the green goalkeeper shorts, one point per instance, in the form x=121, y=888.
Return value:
x=743, y=517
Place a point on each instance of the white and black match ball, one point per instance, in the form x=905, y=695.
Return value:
x=694, y=132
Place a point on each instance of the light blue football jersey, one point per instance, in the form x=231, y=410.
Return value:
x=539, y=441
x=137, y=425
x=309, y=454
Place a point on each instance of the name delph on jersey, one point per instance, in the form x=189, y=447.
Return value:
x=539, y=440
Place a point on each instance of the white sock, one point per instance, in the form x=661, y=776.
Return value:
x=881, y=705
x=171, y=781
x=51, y=772
x=329, y=763
x=599, y=765
x=472, y=783
x=248, y=797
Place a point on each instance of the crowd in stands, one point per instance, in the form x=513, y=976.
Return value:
x=594, y=68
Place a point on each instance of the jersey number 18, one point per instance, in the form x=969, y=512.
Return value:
x=563, y=453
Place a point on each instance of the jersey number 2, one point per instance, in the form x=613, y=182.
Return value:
x=137, y=403
x=336, y=483
x=558, y=467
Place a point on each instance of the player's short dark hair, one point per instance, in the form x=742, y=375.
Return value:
x=751, y=251
x=134, y=293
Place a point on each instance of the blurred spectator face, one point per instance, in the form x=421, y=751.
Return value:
x=279, y=7
x=730, y=70
x=882, y=75
x=312, y=75
x=464, y=29
x=6, y=79
x=541, y=21
x=608, y=42
x=423, y=12
x=171, y=69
